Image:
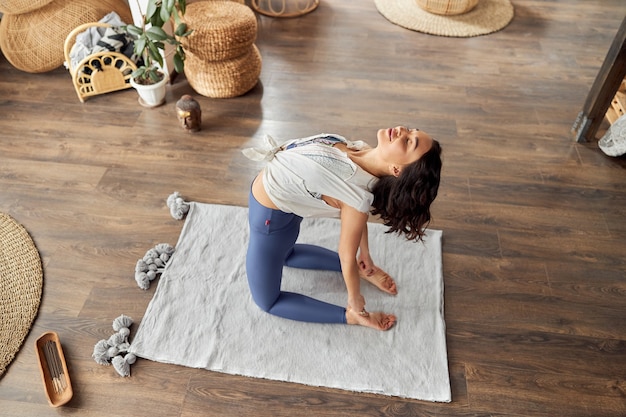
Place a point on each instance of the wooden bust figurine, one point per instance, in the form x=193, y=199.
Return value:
x=189, y=113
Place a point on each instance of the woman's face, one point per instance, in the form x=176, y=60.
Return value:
x=402, y=146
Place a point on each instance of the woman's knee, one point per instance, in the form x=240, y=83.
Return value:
x=264, y=287
x=263, y=301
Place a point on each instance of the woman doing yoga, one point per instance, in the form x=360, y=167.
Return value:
x=328, y=176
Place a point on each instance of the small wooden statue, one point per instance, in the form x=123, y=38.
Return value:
x=189, y=113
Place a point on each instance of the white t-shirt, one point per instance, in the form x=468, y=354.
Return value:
x=300, y=171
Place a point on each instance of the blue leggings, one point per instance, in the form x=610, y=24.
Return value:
x=272, y=245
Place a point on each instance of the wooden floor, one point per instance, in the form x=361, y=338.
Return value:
x=534, y=224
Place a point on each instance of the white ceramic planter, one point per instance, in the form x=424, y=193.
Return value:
x=152, y=95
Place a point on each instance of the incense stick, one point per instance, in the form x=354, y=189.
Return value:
x=54, y=366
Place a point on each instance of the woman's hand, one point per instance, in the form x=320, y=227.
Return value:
x=366, y=264
x=357, y=303
x=374, y=275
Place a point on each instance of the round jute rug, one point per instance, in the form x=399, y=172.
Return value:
x=21, y=283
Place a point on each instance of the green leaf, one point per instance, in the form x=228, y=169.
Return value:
x=155, y=53
x=139, y=72
x=151, y=9
x=181, y=29
x=178, y=63
x=165, y=14
x=156, y=20
x=140, y=43
x=156, y=34
x=133, y=30
x=140, y=46
x=154, y=76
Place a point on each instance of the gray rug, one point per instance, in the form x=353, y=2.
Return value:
x=202, y=315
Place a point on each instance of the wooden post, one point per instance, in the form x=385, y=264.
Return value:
x=603, y=90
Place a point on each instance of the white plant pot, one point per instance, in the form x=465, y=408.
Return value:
x=152, y=95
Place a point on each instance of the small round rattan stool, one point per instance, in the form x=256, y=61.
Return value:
x=224, y=79
x=447, y=7
x=221, y=30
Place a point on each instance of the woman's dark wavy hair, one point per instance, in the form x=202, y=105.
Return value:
x=403, y=202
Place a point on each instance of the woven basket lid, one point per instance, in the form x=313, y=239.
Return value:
x=221, y=29
x=224, y=79
x=33, y=42
x=21, y=6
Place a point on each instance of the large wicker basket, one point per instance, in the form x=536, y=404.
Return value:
x=21, y=6
x=447, y=7
x=33, y=42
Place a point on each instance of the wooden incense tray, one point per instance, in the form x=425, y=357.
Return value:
x=56, y=379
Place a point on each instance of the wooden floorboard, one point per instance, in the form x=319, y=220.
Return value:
x=533, y=222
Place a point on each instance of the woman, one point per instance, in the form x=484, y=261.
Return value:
x=329, y=176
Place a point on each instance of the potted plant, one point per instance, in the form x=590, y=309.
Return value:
x=149, y=79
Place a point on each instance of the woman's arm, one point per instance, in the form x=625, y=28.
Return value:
x=364, y=246
x=353, y=223
x=353, y=231
x=365, y=262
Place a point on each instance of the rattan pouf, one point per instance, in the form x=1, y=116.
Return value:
x=21, y=6
x=221, y=30
x=224, y=79
x=33, y=41
x=222, y=60
x=447, y=7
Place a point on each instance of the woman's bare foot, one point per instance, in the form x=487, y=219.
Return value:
x=381, y=280
x=377, y=320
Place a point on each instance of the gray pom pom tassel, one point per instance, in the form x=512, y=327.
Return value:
x=130, y=358
x=142, y=280
x=152, y=264
x=116, y=339
x=122, y=321
x=121, y=365
x=178, y=206
x=114, y=350
x=100, y=352
x=164, y=249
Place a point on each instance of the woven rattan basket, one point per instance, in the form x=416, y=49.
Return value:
x=224, y=79
x=222, y=30
x=33, y=42
x=447, y=7
x=21, y=6
x=98, y=73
